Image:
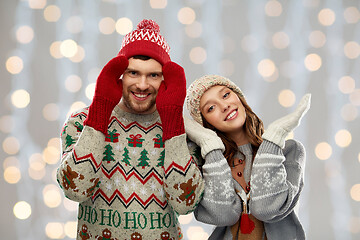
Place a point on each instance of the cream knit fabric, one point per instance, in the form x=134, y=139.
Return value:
x=129, y=183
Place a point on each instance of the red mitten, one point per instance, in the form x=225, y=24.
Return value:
x=170, y=100
x=108, y=92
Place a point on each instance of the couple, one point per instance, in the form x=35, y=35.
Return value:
x=133, y=162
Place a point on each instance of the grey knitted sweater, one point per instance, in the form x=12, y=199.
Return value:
x=276, y=178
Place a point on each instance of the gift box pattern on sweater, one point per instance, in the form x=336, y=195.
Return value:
x=126, y=182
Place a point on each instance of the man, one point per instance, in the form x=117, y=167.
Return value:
x=125, y=158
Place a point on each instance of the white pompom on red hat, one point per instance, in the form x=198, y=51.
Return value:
x=146, y=40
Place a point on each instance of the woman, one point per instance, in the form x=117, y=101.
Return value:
x=253, y=179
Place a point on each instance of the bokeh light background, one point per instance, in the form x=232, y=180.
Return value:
x=276, y=50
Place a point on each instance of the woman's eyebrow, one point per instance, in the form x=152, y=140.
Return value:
x=209, y=100
x=222, y=89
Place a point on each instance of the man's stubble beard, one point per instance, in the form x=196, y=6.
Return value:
x=138, y=108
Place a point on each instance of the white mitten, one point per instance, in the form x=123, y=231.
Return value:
x=205, y=138
x=279, y=129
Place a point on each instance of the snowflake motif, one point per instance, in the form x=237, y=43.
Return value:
x=227, y=191
x=118, y=147
x=266, y=175
x=143, y=191
x=153, y=152
x=279, y=179
x=153, y=186
x=124, y=119
x=117, y=181
x=147, y=123
x=133, y=184
x=267, y=180
x=126, y=188
x=108, y=186
x=211, y=187
x=281, y=175
x=211, y=184
x=254, y=186
x=134, y=152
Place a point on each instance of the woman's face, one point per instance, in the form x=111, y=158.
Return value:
x=222, y=108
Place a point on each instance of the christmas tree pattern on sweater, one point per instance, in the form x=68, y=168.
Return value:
x=127, y=184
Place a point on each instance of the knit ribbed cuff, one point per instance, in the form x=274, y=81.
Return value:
x=211, y=144
x=269, y=147
x=276, y=135
x=99, y=113
x=215, y=156
x=172, y=121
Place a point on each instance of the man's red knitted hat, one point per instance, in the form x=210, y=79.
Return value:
x=146, y=40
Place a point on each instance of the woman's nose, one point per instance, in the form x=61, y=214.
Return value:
x=225, y=107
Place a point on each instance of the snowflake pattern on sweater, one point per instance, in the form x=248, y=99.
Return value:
x=277, y=179
x=128, y=183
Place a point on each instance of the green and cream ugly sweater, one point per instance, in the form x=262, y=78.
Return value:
x=129, y=183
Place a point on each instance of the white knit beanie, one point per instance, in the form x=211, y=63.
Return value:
x=201, y=85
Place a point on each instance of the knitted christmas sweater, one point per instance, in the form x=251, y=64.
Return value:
x=276, y=180
x=129, y=183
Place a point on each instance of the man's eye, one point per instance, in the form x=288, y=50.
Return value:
x=154, y=75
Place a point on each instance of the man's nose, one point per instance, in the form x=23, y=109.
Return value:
x=143, y=83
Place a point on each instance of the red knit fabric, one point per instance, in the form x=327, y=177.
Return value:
x=170, y=100
x=146, y=40
x=108, y=93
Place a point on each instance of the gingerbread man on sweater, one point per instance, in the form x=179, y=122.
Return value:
x=136, y=172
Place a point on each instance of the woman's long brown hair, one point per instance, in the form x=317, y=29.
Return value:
x=253, y=126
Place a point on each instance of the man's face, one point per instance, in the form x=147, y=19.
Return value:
x=141, y=82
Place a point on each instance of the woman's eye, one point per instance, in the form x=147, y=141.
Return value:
x=211, y=108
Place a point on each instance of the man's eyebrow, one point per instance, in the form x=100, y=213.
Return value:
x=135, y=70
x=156, y=72
x=131, y=70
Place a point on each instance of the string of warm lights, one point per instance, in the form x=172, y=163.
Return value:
x=317, y=43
